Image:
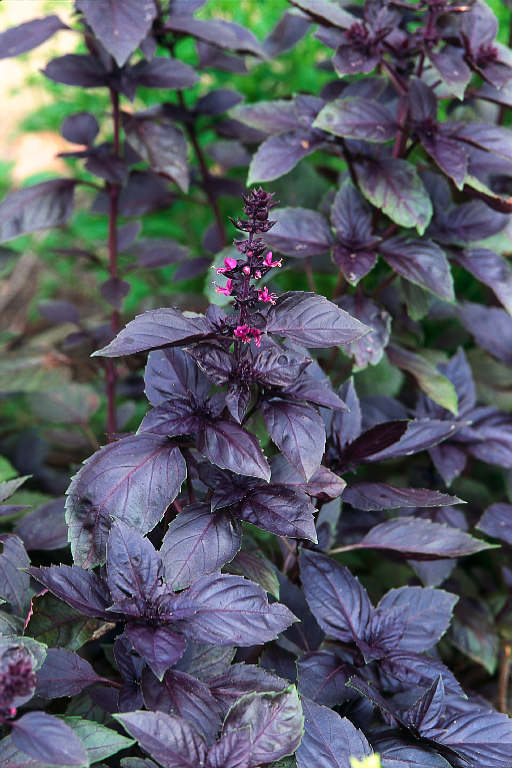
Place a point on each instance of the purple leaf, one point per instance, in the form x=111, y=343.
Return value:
x=81, y=589
x=192, y=268
x=163, y=73
x=496, y=522
x=413, y=537
x=44, y=528
x=312, y=320
x=420, y=261
x=351, y=217
x=41, y=206
x=277, y=155
x=348, y=424
x=14, y=581
x=160, y=647
x=438, y=387
x=393, y=186
x=492, y=138
x=323, y=483
x=338, y=601
x=64, y=674
x=350, y=59
x=428, y=616
x=355, y=118
x=217, y=101
x=223, y=34
x=477, y=733
x=242, y=679
x=80, y=128
x=227, y=153
x=8, y=487
x=211, y=56
x=325, y=11
x=329, y=741
x=268, y=724
x=490, y=269
x=475, y=634
x=173, y=417
x=161, y=144
x=25, y=37
x=144, y=192
x=251, y=563
x=272, y=117
x=114, y=291
x=491, y=328
x=397, y=755
x=57, y=311
x=232, y=751
x=322, y=677
x=120, y=25
x=206, y=662
x=198, y=542
x=230, y=610
x=170, y=373
x=127, y=233
x=133, y=566
x=373, y=441
x=229, y=446
x=299, y=232
x=77, y=69
x=170, y=740
x=298, y=431
x=454, y=71
x=367, y=350
x=354, y=264
x=419, y=435
x=277, y=367
x=133, y=480
x=375, y=496
x=49, y=740
x=182, y=695
x=154, y=329
x=448, y=153
x=279, y=510
x=288, y=31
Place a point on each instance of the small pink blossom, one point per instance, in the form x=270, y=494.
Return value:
x=264, y=295
x=246, y=270
x=257, y=274
x=267, y=261
x=228, y=265
x=245, y=333
x=227, y=290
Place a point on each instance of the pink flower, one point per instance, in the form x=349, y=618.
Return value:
x=257, y=274
x=228, y=265
x=264, y=295
x=267, y=261
x=227, y=290
x=246, y=270
x=245, y=333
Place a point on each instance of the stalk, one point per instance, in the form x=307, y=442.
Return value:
x=113, y=193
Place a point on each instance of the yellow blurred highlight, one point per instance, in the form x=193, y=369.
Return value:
x=369, y=762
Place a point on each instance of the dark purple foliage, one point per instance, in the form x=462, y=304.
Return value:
x=208, y=602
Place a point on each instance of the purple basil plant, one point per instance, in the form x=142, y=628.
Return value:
x=276, y=568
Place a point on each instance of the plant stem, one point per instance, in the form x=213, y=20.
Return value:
x=308, y=268
x=205, y=173
x=340, y=286
x=113, y=193
x=504, y=678
x=503, y=109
